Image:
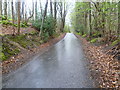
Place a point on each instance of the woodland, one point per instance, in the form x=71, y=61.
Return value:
x=29, y=25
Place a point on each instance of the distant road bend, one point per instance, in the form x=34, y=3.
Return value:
x=62, y=66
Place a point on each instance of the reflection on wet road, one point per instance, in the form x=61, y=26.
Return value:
x=62, y=66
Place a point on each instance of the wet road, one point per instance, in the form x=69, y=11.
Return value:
x=62, y=66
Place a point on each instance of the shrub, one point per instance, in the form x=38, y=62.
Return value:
x=78, y=33
x=88, y=38
x=9, y=22
x=94, y=40
x=23, y=25
x=84, y=35
x=96, y=34
x=48, y=26
x=33, y=33
x=10, y=19
x=2, y=56
x=4, y=18
x=15, y=25
x=115, y=42
x=41, y=41
x=37, y=24
x=5, y=22
x=45, y=37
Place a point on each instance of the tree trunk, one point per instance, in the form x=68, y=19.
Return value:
x=55, y=10
x=62, y=7
x=25, y=14
x=55, y=13
x=43, y=17
x=63, y=24
x=16, y=10
x=118, y=19
x=41, y=8
x=18, y=17
x=85, y=18
x=51, y=10
x=23, y=17
x=61, y=14
x=36, y=10
x=8, y=9
x=90, y=19
x=0, y=7
x=12, y=15
x=5, y=9
x=12, y=12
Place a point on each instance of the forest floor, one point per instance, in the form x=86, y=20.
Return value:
x=105, y=69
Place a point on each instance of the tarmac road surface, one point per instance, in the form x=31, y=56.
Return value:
x=62, y=66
